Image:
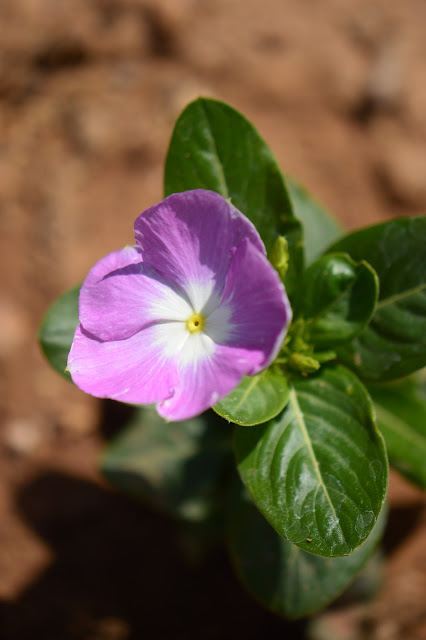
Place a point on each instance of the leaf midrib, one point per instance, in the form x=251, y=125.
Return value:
x=253, y=382
x=400, y=296
x=301, y=423
x=333, y=303
x=217, y=162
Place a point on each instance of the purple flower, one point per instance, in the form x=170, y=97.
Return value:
x=179, y=319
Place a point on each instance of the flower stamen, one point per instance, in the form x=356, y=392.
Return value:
x=195, y=323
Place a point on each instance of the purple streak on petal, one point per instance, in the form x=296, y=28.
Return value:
x=190, y=238
x=137, y=370
x=127, y=299
x=255, y=311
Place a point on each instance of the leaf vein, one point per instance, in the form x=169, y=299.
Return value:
x=300, y=421
x=400, y=296
x=216, y=161
x=253, y=382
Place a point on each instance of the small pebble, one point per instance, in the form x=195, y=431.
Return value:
x=22, y=436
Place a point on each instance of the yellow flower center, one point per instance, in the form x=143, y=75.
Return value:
x=195, y=323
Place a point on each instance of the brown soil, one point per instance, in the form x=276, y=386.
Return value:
x=89, y=92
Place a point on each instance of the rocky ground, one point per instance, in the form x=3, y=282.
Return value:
x=89, y=92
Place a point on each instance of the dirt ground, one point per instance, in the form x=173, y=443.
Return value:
x=89, y=92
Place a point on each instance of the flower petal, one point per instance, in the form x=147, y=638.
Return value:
x=206, y=379
x=140, y=369
x=242, y=336
x=114, y=260
x=190, y=238
x=115, y=305
x=255, y=311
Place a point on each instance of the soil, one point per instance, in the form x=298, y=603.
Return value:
x=89, y=92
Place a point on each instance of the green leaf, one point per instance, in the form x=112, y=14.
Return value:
x=401, y=416
x=175, y=466
x=214, y=147
x=257, y=399
x=337, y=299
x=281, y=576
x=318, y=472
x=394, y=344
x=320, y=229
x=57, y=330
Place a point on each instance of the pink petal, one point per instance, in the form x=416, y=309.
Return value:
x=254, y=312
x=203, y=383
x=190, y=238
x=140, y=369
x=113, y=261
x=127, y=299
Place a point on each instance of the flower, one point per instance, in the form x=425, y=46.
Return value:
x=180, y=318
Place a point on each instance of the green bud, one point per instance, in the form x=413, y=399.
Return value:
x=303, y=363
x=279, y=256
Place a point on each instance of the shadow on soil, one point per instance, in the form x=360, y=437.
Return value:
x=118, y=574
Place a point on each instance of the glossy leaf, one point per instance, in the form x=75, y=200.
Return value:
x=57, y=330
x=401, y=416
x=257, y=399
x=318, y=471
x=394, y=343
x=174, y=466
x=280, y=575
x=214, y=147
x=320, y=229
x=337, y=298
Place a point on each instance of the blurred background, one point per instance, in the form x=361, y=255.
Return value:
x=89, y=93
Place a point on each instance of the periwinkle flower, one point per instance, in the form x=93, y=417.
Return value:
x=180, y=318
